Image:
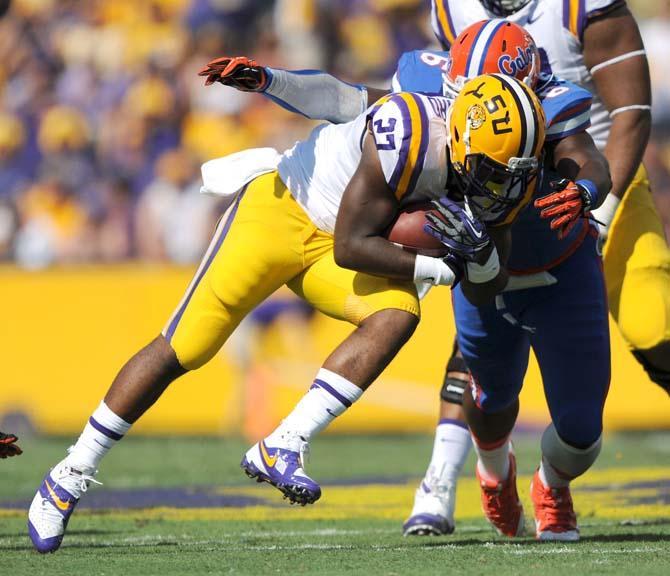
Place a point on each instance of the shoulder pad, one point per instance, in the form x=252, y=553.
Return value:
x=576, y=13
x=597, y=7
x=420, y=71
x=567, y=108
x=442, y=22
x=399, y=125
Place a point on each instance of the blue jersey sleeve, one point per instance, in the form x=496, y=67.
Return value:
x=567, y=108
x=420, y=71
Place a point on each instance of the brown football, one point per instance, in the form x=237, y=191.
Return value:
x=407, y=231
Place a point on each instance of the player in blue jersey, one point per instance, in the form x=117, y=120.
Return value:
x=545, y=318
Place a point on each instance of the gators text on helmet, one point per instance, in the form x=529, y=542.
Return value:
x=489, y=47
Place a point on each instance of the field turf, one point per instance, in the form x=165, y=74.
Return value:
x=181, y=506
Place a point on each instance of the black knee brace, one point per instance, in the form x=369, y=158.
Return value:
x=657, y=375
x=453, y=388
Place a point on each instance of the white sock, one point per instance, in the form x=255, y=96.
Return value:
x=493, y=462
x=550, y=477
x=102, y=431
x=328, y=397
x=450, y=450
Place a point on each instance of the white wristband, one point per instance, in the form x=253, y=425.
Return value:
x=433, y=270
x=606, y=211
x=480, y=273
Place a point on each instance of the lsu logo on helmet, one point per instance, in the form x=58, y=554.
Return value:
x=489, y=47
x=496, y=136
x=476, y=116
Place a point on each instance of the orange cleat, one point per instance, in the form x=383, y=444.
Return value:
x=501, y=504
x=554, y=515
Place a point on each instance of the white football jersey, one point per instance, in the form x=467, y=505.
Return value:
x=410, y=133
x=557, y=26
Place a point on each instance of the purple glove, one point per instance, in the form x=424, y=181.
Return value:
x=464, y=235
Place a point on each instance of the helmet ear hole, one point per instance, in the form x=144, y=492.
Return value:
x=457, y=135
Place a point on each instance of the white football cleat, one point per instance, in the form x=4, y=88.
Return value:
x=433, y=512
x=54, y=503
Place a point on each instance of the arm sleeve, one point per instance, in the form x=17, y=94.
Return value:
x=316, y=95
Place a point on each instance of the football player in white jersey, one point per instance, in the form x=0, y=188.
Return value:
x=314, y=218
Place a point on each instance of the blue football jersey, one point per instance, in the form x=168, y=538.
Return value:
x=567, y=108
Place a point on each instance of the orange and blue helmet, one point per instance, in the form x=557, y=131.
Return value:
x=492, y=47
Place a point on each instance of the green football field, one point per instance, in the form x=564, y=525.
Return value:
x=183, y=507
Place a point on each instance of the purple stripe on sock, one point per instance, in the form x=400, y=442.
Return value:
x=103, y=430
x=328, y=388
x=175, y=321
x=453, y=421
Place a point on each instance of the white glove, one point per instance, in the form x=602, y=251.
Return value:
x=605, y=214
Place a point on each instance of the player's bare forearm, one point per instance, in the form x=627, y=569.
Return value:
x=625, y=148
x=366, y=211
x=613, y=51
x=577, y=158
x=482, y=294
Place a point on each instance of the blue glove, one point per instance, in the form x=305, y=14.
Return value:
x=464, y=235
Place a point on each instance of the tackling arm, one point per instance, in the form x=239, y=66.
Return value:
x=584, y=184
x=577, y=159
x=614, y=53
x=312, y=93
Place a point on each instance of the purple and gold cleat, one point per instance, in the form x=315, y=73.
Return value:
x=283, y=468
x=54, y=503
x=433, y=512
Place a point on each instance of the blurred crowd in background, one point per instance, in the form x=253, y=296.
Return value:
x=104, y=122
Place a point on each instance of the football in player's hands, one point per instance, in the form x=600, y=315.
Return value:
x=459, y=231
x=237, y=71
x=407, y=231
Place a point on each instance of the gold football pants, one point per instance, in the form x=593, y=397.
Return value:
x=266, y=240
x=637, y=268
